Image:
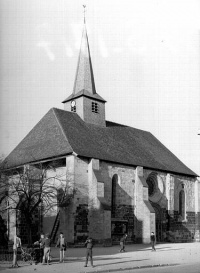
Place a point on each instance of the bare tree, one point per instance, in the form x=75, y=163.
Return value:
x=36, y=189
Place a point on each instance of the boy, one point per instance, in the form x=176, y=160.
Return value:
x=62, y=244
x=40, y=244
x=153, y=239
x=17, y=244
x=47, y=249
x=122, y=243
x=89, y=246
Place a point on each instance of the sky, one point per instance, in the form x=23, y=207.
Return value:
x=145, y=56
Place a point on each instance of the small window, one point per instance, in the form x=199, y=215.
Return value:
x=73, y=109
x=95, y=108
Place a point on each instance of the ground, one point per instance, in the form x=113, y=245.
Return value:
x=182, y=257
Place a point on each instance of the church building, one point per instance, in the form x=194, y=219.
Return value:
x=126, y=180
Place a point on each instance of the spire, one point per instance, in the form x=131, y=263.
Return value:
x=84, y=6
x=84, y=80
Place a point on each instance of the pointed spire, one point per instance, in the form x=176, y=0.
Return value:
x=84, y=79
x=84, y=6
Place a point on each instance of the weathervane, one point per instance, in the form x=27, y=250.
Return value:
x=84, y=6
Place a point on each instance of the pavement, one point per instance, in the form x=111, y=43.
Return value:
x=108, y=259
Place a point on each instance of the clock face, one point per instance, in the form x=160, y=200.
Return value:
x=73, y=103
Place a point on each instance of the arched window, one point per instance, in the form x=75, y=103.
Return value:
x=113, y=197
x=182, y=203
x=152, y=182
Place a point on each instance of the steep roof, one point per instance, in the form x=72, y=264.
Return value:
x=61, y=132
x=84, y=84
x=45, y=140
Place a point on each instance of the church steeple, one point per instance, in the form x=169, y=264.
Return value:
x=84, y=99
x=84, y=79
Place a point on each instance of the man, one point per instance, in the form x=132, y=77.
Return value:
x=153, y=239
x=16, y=245
x=89, y=246
x=122, y=243
x=62, y=244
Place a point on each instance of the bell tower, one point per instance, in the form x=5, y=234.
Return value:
x=84, y=100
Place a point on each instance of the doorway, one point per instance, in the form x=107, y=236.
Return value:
x=158, y=212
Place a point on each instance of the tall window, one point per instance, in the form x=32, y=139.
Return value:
x=95, y=108
x=114, y=195
x=151, y=182
x=182, y=203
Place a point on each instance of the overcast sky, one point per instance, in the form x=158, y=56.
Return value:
x=146, y=61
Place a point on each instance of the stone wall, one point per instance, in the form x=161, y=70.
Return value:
x=125, y=197
x=91, y=213
x=166, y=201
x=71, y=217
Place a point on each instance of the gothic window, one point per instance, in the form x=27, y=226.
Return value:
x=151, y=185
x=182, y=204
x=114, y=195
x=95, y=108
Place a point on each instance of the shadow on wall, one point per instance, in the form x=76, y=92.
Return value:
x=48, y=223
x=179, y=230
x=88, y=219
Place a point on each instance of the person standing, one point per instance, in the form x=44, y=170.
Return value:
x=17, y=244
x=153, y=239
x=41, y=242
x=122, y=243
x=47, y=249
x=63, y=245
x=40, y=250
x=89, y=246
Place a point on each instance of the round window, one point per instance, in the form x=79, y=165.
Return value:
x=155, y=187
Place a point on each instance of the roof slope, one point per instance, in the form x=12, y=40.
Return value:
x=61, y=132
x=45, y=140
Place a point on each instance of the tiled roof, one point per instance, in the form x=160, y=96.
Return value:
x=61, y=132
x=45, y=140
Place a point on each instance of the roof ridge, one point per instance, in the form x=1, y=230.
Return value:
x=61, y=127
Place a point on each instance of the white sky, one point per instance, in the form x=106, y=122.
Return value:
x=146, y=61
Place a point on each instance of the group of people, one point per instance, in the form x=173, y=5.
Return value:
x=45, y=247
x=44, y=244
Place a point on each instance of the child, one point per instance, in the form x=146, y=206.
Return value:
x=122, y=243
x=89, y=246
x=62, y=244
x=47, y=249
x=153, y=241
x=40, y=245
x=16, y=245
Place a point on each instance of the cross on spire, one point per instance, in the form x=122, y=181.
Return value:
x=84, y=6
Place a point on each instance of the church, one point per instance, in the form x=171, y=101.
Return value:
x=127, y=181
